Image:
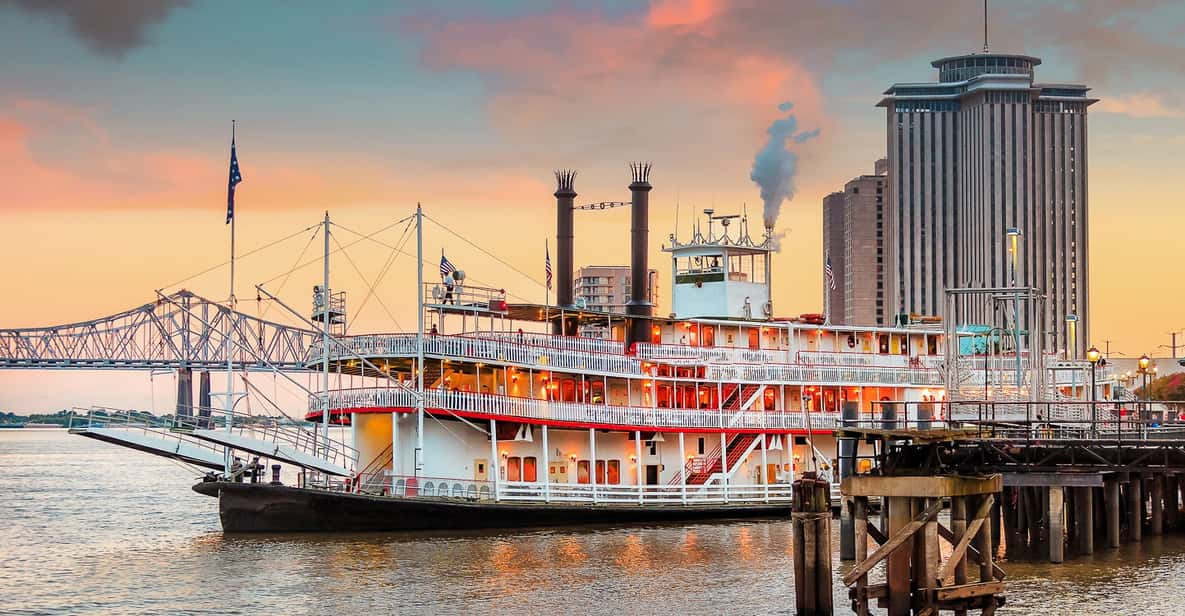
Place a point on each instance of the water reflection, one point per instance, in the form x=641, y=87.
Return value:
x=94, y=529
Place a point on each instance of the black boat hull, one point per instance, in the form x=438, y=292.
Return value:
x=246, y=507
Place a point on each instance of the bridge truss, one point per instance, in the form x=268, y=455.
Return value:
x=182, y=330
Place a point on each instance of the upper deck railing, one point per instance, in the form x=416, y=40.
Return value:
x=545, y=352
x=500, y=406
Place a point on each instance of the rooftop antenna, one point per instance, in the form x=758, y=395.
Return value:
x=675, y=237
x=985, y=27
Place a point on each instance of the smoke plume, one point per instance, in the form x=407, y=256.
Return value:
x=109, y=27
x=775, y=165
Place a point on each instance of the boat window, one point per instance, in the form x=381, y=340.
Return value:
x=582, y=471
x=883, y=343
x=701, y=445
x=529, y=469
x=754, y=339
x=600, y=472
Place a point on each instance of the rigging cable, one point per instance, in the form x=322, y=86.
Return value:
x=371, y=287
x=484, y=251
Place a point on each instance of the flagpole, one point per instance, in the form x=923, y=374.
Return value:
x=418, y=461
x=547, y=290
x=827, y=280
x=230, y=325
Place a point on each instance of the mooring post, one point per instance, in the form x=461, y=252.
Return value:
x=1111, y=486
x=1057, y=512
x=1156, y=483
x=1135, y=509
x=811, y=516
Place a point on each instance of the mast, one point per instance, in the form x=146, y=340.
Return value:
x=325, y=341
x=419, y=464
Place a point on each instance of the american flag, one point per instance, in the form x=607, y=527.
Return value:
x=547, y=264
x=829, y=274
x=446, y=267
x=235, y=178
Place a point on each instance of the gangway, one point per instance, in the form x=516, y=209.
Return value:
x=145, y=433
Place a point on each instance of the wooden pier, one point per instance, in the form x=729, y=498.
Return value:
x=1017, y=487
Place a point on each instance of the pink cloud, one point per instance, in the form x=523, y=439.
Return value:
x=1139, y=105
x=608, y=74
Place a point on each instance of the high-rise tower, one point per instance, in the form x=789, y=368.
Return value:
x=984, y=150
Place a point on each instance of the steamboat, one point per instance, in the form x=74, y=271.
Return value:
x=505, y=414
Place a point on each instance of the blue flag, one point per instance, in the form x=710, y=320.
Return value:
x=235, y=178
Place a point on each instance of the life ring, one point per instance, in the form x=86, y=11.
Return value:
x=767, y=309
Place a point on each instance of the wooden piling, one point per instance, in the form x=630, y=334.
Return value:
x=811, y=523
x=860, y=528
x=1172, y=506
x=1085, y=520
x=1056, y=520
x=1156, y=483
x=897, y=574
x=1111, y=500
x=958, y=527
x=1135, y=509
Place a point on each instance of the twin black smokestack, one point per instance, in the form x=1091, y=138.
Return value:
x=639, y=304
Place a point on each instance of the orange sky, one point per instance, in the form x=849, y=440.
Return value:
x=114, y=143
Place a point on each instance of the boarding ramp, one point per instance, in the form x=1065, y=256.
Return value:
x=143, y=432
x=271, y=438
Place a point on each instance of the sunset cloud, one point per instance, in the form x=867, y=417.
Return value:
x=1139, y=105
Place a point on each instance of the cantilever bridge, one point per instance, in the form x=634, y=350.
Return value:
x=180, y=331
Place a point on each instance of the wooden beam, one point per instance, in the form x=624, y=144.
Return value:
x=956, y=554
x=1034, y=480
x=921, y=487
x=892, y=544
x=967, y=591
x=972, y=552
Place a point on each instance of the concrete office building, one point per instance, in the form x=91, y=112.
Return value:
x=607, y=287
x=983, y=150
x=853, y=236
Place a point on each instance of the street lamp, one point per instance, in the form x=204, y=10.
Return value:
x=1014, y=249
x=1144, y=370
x=1071, y=343
x=1094, y=357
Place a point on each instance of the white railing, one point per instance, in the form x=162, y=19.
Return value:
x=567, y=343
x=673, y=353
x=839, y=375
x=508, y=350
x=645, y=494
x=573, y=412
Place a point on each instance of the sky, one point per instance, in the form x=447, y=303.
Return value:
x=115, y=126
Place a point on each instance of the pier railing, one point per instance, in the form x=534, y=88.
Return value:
x=500, y=406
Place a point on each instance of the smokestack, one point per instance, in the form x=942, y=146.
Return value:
x=639, y=304
x=565, y=199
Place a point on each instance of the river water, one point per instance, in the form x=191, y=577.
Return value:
x=94, y=528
